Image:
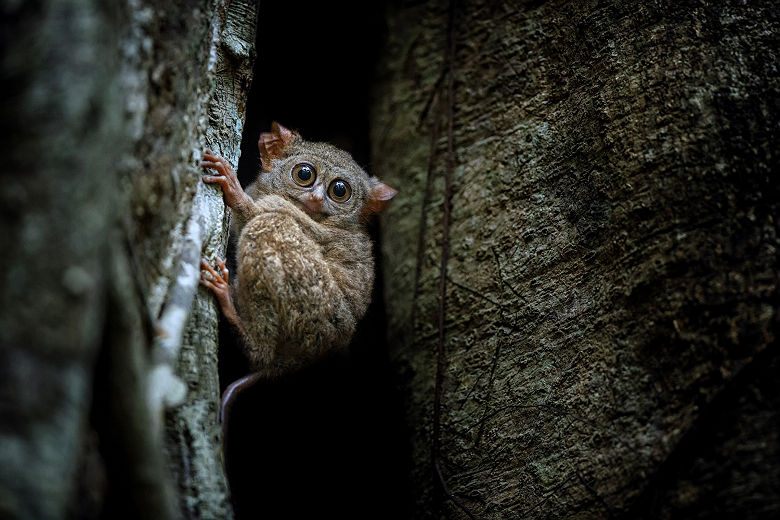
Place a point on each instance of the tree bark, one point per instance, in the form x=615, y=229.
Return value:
x=194, y=437
x=610, y=302
x=108, y=109
x=57, y=199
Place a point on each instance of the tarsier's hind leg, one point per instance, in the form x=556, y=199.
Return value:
x=258, y=348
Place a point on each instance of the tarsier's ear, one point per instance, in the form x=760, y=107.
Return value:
x=378, y=197
x=273, y=144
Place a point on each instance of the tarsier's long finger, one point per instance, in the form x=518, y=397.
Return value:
x=214, y=165
x=209, y=156
x=214, y=179
x=208, y=285
x=205, y=265
x=223, y=267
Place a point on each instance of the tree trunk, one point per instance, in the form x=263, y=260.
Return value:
x=605, y=224
x=107, y=111
x=57, y=197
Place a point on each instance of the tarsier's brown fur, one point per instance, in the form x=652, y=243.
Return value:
x=305, y=267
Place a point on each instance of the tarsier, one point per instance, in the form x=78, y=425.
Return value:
x=304, y=259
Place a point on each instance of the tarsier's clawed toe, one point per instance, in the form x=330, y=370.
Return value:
x=216, y=163
x=224, y=177
x=211, y=279
x=219, y=284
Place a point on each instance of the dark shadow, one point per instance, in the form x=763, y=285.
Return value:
x=330, y=441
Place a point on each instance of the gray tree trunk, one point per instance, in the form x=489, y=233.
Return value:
x=610, y=295
x=106, y=110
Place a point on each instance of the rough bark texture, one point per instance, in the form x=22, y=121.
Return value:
x=194, y=437
x=611, y=288
x=107, y=109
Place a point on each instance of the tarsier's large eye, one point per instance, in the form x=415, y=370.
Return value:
x=339, y=191
x=304, y=174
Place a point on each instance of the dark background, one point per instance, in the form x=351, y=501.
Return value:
x=328, y=441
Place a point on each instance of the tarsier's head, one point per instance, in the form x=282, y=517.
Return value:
x=322, y=180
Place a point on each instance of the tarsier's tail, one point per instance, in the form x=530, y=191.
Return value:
x=229, y=396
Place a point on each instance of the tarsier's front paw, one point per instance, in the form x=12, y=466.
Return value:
x=219, y=284
x=226, y=178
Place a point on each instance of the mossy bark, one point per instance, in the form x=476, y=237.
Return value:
x=611, y=288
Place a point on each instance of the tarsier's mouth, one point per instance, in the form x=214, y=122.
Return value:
x=313, y=209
